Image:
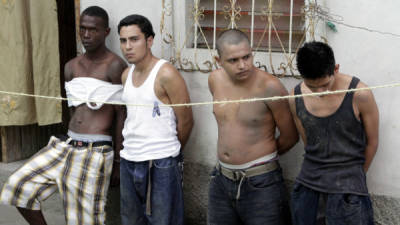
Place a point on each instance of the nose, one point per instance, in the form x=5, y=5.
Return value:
x=128, y=45
x=86, y=34
x=241, y=64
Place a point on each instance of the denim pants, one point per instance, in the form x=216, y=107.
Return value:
x=262, y=200
x=166, y=192
x=341, y=209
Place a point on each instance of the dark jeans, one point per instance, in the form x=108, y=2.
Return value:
x=262, y=200
x=341, y=209
x=166, y=192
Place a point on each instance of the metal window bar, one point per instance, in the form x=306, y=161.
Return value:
x=196, y=4
x=290, y=27
x=215, y=25
x=253, y=13
x=252, y=23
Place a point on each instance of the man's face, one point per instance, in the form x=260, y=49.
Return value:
x=237, y=60
x=324, y=83
x=92, y=32
x=320, y=84
x=134, y=44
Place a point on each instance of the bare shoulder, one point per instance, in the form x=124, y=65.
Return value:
x=363, y=96
x=116, y=67
x=168, y=73
x=124, y=75
x=271, y=84
x=291, y=93
x=216, y=76
x=70, y=66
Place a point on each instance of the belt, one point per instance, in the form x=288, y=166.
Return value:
x=76, y=143
x=237, y=175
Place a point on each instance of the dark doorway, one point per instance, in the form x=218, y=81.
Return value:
x=67, y=43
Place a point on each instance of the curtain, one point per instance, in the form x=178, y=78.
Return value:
x=29, y=62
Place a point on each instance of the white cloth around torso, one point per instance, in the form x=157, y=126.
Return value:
x=92, y=91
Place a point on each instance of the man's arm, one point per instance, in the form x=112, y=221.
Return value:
x=177, y=92
x=288, y=135
x=117, y=69
x=369, y=116
x=211, y=82
x=297, y=122
x=68, y=75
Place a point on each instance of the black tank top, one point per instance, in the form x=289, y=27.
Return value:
x=334, y=158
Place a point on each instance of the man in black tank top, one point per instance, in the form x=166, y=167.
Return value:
x=340, y=135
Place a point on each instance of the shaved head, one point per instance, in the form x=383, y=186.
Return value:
x=230, y=37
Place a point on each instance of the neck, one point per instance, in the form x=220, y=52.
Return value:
x=246, y=82
x=145, y=63
x=96, y=54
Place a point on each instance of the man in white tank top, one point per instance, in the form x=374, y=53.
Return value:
x=151, y=175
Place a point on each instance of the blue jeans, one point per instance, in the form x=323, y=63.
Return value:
x=341, y=209
x=166, y=192
x=262, y=200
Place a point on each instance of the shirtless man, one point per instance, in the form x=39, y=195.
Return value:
x=247, y=185
x=79, y=164
x=340, y=135
x=151, y=173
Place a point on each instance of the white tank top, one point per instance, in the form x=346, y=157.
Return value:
x=148, y=135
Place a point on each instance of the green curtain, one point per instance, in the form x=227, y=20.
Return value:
x=29, y=62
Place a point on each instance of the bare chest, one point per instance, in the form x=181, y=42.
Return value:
x=98, y=71
x=245, y=113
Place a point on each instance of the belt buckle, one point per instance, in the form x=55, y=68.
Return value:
x=238, y=174
x=79, y=143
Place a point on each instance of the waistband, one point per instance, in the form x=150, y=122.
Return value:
x=83, y=144
x=258, y=161
x=88, y=137
x=237, y=175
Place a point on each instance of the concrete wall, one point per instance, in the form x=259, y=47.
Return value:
x=370, y=56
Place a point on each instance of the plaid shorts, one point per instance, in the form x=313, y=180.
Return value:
x=81, y=175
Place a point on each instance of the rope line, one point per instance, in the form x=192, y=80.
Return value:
x=221, y=102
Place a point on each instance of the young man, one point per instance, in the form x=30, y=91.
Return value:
x=151, y=175
x=79, y=164
x=340, y=135
x=247, y=185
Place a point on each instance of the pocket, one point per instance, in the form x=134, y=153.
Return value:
x=165, y=163
x=297, y=187
x=265, y=180
x=350, y=199
x=346, y=207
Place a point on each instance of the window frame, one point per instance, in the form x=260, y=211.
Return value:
x=199, y=59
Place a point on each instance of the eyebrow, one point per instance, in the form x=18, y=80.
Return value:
x=130, y=37
x=239, y=57
x=311, y=86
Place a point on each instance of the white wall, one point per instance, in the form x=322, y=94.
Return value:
x=373, y=58
x=118, y=9
x=370, y=56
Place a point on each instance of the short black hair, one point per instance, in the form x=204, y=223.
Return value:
x=142, y=22
x=231, y=37
x=315, y=60
x=98, y=12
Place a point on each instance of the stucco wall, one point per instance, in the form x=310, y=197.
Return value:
x=370, y=56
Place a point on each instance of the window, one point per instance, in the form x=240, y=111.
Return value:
x=278, y=24
x=276, y=28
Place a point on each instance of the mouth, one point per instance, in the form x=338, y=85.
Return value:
x=243, y=73
x=85, y=43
